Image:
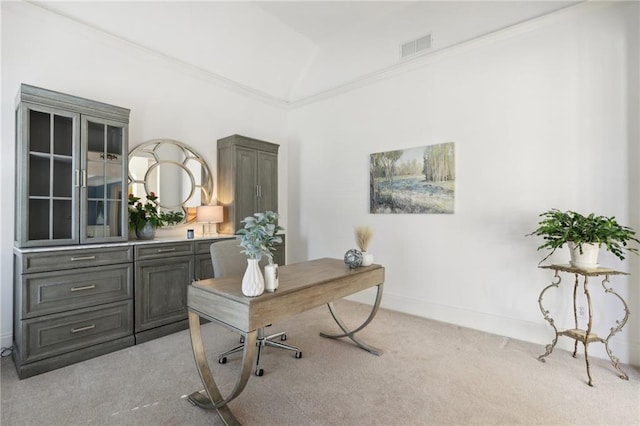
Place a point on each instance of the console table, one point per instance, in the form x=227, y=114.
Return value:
x=584, y=335
x=303, y=286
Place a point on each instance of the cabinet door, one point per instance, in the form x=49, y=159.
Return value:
x=204, y=267
x=161, y=291
x=246, y=184
x=247, y=179
x=47, y=144
x=267, y=182
x=104, y=178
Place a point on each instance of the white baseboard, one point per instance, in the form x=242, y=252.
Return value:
x=628, y=352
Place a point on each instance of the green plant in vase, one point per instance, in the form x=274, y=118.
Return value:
x=581, y=232
x=258, y=236
x=257, y=239
x=148, y=217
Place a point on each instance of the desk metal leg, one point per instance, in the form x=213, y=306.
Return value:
x=351, y=334
x=619, y=324
x=545, y=313
x=213, y=399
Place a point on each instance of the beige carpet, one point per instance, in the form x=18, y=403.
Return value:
x=430, y=373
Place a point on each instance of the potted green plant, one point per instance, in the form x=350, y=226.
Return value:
x=583, y=234
x=257, y=239
x=144, y=218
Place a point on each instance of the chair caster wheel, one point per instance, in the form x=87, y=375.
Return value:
x=259, y=372
x=222, y=360
x=283, y=337
x=298, y=355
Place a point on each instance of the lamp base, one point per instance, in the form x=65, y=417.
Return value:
x=206, y=231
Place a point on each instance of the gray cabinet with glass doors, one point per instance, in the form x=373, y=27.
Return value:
x=71, y=175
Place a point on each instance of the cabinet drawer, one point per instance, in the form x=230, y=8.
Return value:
x=159, y=250
x=204, y=246
x=70, y=259
x=51, y=292
x=56, y=334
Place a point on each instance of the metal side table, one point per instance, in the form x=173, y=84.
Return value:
x=584, y=335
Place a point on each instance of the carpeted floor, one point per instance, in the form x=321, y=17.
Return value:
x=431, y=373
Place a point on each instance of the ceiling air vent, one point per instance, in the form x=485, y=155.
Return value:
x=415, y=46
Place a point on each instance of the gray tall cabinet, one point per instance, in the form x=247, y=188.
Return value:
x=247, y=179
x=72, y=296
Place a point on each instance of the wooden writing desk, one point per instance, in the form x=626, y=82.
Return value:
x=303, y=286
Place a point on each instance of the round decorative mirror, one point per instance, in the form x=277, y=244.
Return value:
x=177, y=175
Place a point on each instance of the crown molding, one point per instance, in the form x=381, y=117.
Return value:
x=404, y=66
x=193, y=69
x=426, y=58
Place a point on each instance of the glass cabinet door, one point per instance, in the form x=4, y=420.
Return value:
x=103, y=206
x=48, y=176
x=70, y=170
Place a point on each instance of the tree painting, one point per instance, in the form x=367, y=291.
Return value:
x=415, y=180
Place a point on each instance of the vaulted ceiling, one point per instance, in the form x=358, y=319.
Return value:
x=294, y=50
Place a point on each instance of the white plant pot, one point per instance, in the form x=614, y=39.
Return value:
x=252, y=280
x=589, y=257
x=271, y=277
x=367, y=258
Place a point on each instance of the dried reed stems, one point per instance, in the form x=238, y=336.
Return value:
x=363, y=237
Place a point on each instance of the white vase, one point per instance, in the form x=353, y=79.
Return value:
x=271, y=277
x=367, y=258
x=589, y=257
x=252, y=280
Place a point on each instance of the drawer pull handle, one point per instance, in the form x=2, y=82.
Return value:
x=88, y=327
x=166, y=250
x=83, y=258
x=86, y=287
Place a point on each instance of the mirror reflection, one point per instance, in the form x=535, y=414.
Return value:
x=174, y=172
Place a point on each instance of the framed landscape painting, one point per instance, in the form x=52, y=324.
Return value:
x=415, y=180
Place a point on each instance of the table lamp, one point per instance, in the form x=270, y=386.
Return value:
x=209, y=214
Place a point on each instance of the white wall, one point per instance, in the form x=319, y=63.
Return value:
x=543, y=117
x=167, y=100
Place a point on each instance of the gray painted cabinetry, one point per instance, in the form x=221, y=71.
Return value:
x=80, y=288
x=163, y=273
x=279, y=255
x=73, y=301
x=70, y=305
x=71, y=172
x=203, y=264
x=78, y=302
x=247, y=179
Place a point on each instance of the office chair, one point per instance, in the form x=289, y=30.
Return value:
x=228, y=260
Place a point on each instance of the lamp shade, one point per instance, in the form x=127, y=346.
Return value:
x=209, y=214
